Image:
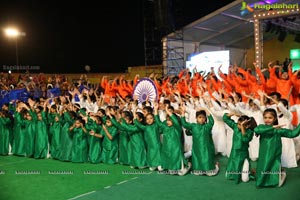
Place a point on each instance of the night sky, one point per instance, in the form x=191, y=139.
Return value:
x=64, y=38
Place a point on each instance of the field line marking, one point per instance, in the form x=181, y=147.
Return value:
x=122, y=182
x=12, y=163
x=82, y=195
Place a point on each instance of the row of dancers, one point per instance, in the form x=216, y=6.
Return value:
x=140, y=136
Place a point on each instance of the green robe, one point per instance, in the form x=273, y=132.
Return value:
x=172, y=152
x=12, y=110
x=50, y=122
x=270, y=147
x=29, y=133
x=66, y=138
x=79, y=147
x=94, y=143
x=18, y=147
x=203, y=150
x=5, y=126
x=123, y=146
x=136, y=145
x=55, y=130
x=152, y=141
x=239, y=151
x=41, y=138
x=103, y=119
x=110, y=147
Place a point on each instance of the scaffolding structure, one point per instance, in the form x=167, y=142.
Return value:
x=173, y=53
x=159, y=49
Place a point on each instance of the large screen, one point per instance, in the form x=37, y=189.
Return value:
x=206, y=60
x=295, y=56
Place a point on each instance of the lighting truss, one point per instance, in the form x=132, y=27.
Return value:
x=258, y=16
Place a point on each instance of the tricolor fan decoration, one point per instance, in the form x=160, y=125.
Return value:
x=144, y=88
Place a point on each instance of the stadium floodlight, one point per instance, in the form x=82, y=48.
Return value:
x=14, y=33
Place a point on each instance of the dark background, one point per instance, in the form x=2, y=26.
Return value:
x=64, y=37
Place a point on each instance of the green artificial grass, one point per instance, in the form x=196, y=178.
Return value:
x=158, y=186
x=16, y=182
x=122, y=182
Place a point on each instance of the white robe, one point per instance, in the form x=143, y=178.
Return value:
x=288, y=156
x=218, y=131
x=296, y=108
x=190, y=117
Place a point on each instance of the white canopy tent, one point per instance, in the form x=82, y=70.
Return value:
x=227, y=28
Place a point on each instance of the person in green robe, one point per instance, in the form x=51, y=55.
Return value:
x=65, y=138
x=55, y=132
x=79, y=146
x=109, y=133
x=9, y=109
x=52, y=113
x=5, y=129
x=41, y=147
x=172, y=156
x=101, y=113
x=203, y=150
x=93, y=125
x=123, y=141
x=238, y=164
x=268, y=171
x=123, y=147
x=29, y=125
x=151, y=132
x=18, y=145
x=136, y=145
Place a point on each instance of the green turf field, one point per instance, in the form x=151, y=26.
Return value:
x=27, y=178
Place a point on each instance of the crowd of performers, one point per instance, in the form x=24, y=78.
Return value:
x=239, y=115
